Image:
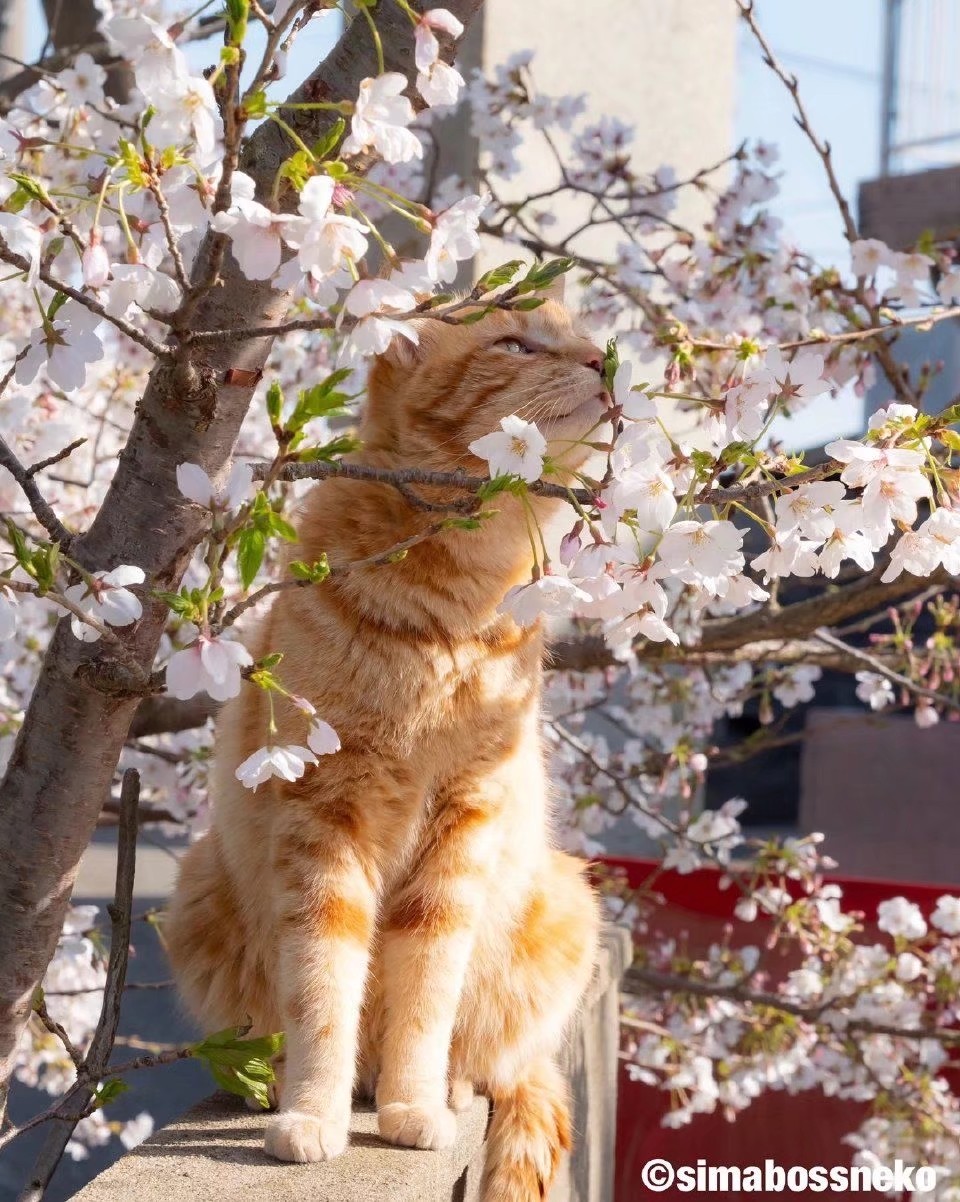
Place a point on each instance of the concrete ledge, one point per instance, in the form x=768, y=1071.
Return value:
x=215, y=1152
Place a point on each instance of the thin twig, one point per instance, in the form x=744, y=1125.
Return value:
x=370, y=561
x=34, y=468
x=78, y=1101
x=41, y=509
x=55, y=1028
x=878, y=666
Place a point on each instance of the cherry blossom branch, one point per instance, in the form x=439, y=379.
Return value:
x=390, y=555
x=158, y=349
x=926, y=319
x=173, y=246
x=324, y=321
x=877, y=665
x=639, y=979
x=399, y=478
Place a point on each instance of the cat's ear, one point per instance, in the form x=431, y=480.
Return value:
x=408, y=345
x=556, y=290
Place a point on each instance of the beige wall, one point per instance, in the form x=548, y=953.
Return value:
x=664, y=66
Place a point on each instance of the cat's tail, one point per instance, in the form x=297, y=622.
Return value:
x=529, y=1133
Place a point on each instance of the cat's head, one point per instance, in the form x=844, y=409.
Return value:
x=427, y=402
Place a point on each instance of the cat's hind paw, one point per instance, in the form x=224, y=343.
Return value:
x=305, y=1138
x=461, y=1095
x=413, y=1126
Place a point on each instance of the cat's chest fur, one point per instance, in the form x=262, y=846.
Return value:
x=446, y=694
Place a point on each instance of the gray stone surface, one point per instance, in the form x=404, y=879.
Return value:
x=215, y=1152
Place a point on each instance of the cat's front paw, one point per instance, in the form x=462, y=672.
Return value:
x=305, y=1138
x=413, y=1126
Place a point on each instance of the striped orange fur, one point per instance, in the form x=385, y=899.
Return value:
x=400, y=912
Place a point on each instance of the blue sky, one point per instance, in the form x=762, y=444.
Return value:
x=835, y=49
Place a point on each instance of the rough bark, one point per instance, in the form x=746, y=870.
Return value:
x=65, y=756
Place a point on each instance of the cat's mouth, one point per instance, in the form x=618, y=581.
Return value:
x=590, y=411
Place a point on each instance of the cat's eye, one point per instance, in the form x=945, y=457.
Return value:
x=515, y=346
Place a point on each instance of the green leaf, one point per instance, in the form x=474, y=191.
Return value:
x=33, y=188
x=325, y=145
x=950, y=438
x=470, y=523
x=611, y=361
x=182, y=603
x=478, y=315
x=282, y=527
x=503, y=483
x=298, y=168
x=237, y=13
x=322, y=400
x=108, y=1091
x=20, y=549
x=529, y=302
x=498, y=276
x=132, y=163
x=542, y=275
x=315, y=572
x=255, y=106
x=274, y=403
x=250, y=549
x=343, y=444
x=59, y=300
x=949, y=416
x=241, y=1066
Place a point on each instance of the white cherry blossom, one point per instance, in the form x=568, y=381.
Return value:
x=946, y=916
x=875, y=690
x=8, y=615
x=702, y=553
x=454, y=238
x=322, y=739
x=517, y=449
x=197, y=486
x=107, y=599
x=22, y=237
x=808, y=509
x=897, y=916
x=209, y=666
x=527, y=603
x=868, y=255
x=426, y=46
x=441, y=85
x=788, y=555
x=381, y=118
x=286, y=763
x=64, y=348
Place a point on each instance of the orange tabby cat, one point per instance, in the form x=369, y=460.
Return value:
x=399, y=911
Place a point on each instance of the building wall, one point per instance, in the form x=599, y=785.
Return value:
x=664, y=66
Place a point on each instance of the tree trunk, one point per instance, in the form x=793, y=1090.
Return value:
x=66, y=753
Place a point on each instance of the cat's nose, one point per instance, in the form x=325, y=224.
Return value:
x=592, y=358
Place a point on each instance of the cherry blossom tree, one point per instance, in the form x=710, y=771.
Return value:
x=198, y=270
